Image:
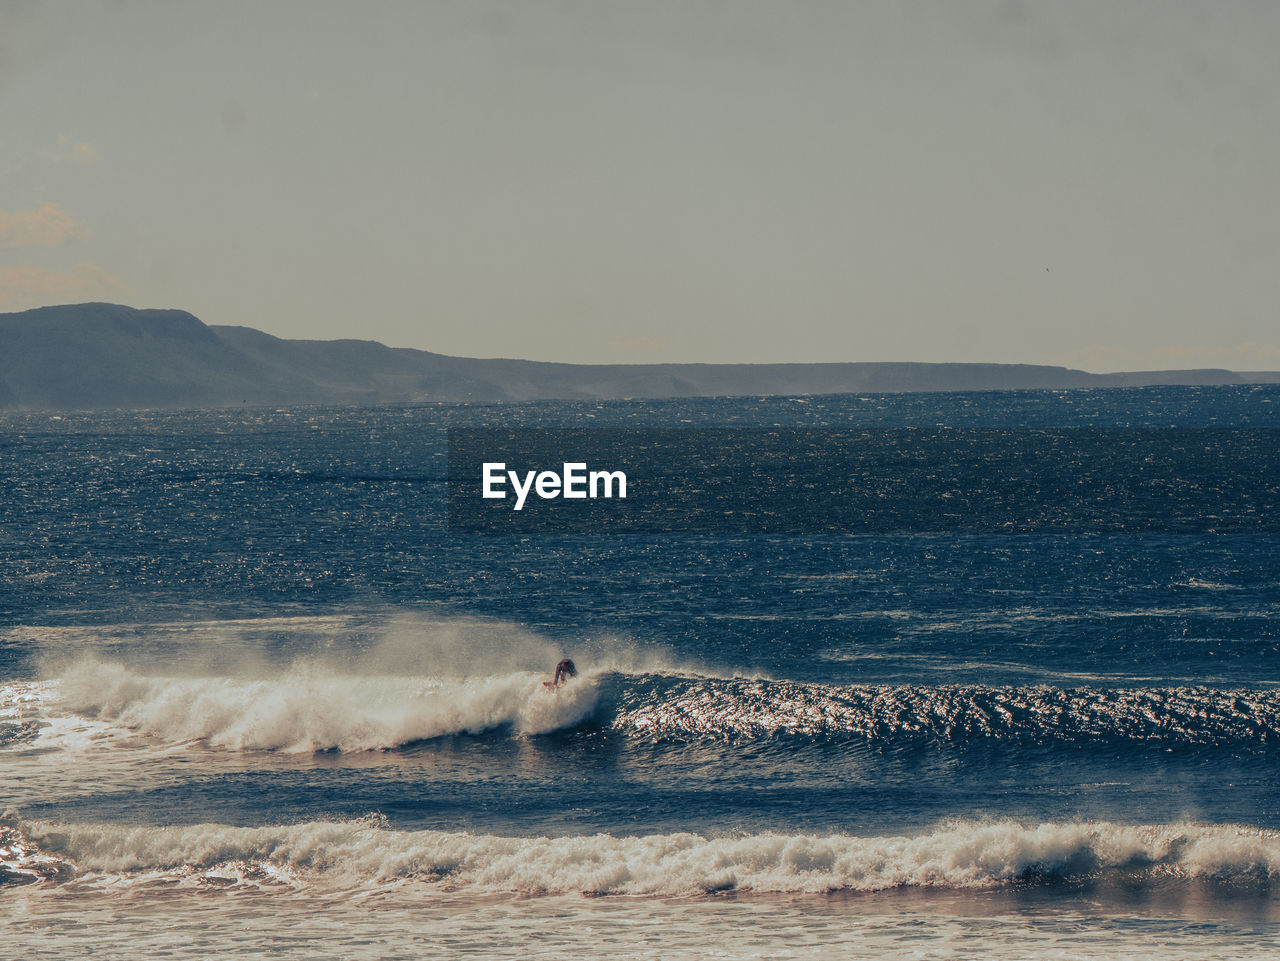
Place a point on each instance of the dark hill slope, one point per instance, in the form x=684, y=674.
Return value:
x=88, y=356
x=104, y=355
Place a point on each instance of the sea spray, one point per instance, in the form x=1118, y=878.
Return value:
x=957, y=855
x=307, y=708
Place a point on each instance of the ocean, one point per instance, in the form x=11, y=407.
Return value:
x=258, y=698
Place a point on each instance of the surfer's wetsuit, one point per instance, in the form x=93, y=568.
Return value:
x=564, y=671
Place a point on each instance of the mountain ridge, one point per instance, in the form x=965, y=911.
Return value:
x=102, y=356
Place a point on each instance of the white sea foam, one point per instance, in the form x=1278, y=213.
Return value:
x=311, y=708
x=959, y=855
x=354, y=682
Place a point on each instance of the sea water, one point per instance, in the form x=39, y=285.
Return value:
x=257, y=698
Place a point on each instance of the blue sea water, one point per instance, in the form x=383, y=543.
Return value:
x=250, y=681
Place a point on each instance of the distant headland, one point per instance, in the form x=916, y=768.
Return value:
x=107, y=356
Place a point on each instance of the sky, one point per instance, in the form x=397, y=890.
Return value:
x=1091, y=184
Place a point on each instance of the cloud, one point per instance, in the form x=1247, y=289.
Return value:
x=46, y=226
x=26, y=285
x=68, y=151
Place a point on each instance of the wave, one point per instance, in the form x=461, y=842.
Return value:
x=364, y=852
x=307, y=709
x=712, y=708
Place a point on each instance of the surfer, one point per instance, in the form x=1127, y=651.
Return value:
x=564, y=671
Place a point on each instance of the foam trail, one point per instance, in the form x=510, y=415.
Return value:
x=308, y=709
x=343, y=854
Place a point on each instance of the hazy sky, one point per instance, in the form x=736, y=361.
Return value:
x=1090, y=184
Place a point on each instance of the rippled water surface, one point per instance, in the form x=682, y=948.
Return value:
x=254, y=694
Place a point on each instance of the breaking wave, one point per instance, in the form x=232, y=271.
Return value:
x=342, y=854
x=306, y=709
